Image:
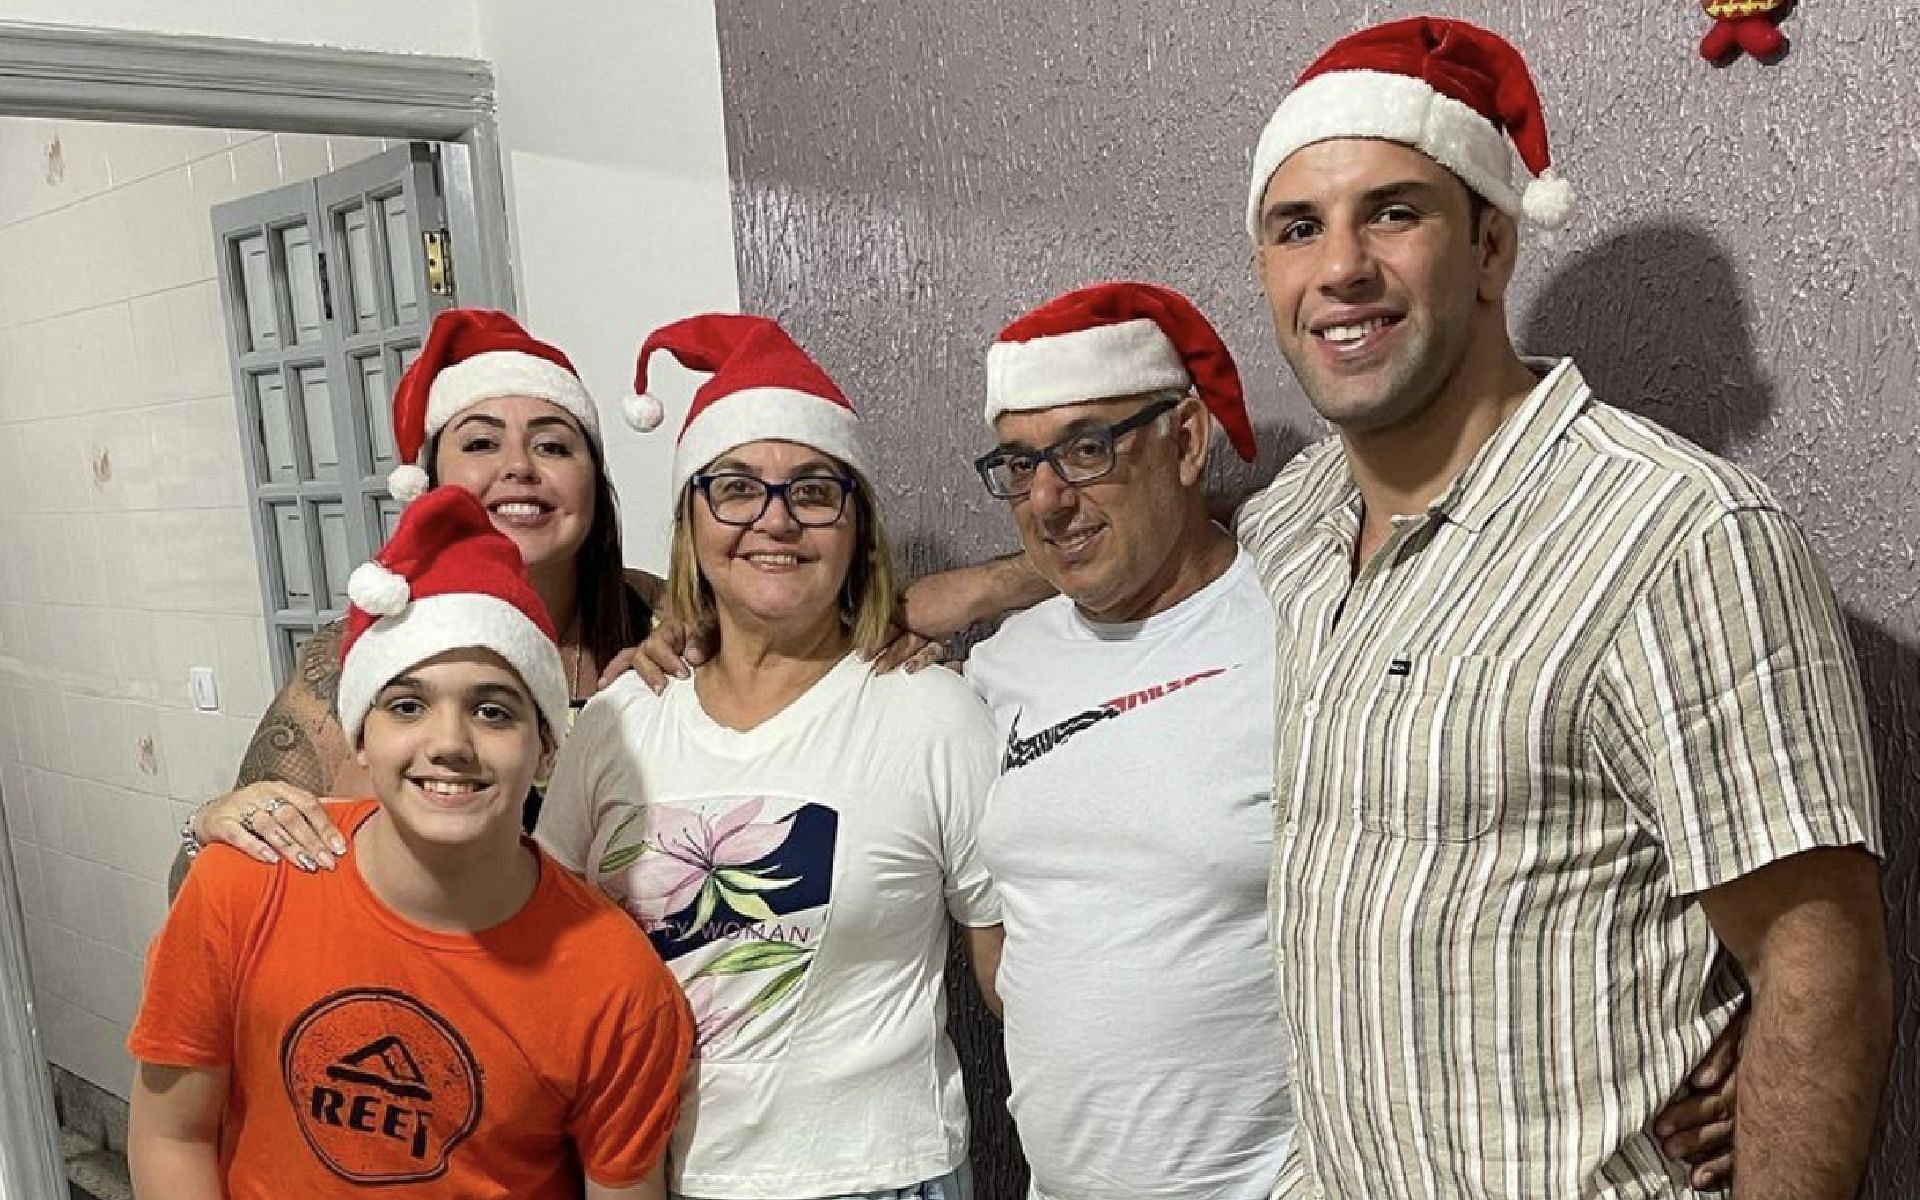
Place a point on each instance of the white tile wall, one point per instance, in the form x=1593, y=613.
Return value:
x=125, y=535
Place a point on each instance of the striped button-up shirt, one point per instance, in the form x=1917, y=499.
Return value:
x=1599, y=675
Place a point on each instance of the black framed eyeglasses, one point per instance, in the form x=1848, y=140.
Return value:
x=736, y=498
x=1079, y=458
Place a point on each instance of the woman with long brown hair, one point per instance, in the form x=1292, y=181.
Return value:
x=490, y=408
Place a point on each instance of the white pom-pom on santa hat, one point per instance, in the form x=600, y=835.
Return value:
x=643, y=411
x=1548, y=201
x=407, y=483
x=378, y=590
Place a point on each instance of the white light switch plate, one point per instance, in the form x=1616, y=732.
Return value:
x=204, y=690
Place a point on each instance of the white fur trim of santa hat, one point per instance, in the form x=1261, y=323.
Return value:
x=1123, y=359
x=1393, y=108
x=451, y=621
x=507, y=373
x=767, y=414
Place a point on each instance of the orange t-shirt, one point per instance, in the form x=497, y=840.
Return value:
x=367, y=1051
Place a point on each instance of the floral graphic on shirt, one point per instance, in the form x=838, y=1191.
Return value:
x=733, y=892
x=690, y=857
x=711, y=1020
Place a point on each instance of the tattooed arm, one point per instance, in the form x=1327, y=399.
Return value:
x=298, y=754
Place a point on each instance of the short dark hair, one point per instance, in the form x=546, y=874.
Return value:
x=1477, y=207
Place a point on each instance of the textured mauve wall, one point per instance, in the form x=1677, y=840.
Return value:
x=907, y=176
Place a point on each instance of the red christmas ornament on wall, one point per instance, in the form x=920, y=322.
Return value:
x=1749, y=25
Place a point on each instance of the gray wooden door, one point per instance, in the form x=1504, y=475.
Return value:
x=328, y=295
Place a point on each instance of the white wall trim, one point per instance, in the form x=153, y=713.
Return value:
x=30, y=1164
x=65, y=72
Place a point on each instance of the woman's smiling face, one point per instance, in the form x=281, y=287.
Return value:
x=532, y=468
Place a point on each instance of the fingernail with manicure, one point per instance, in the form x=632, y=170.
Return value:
x=307, y=864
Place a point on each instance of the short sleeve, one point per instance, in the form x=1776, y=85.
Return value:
x=629, y=1097
x=567, y=814
x=187, y=1008
x=965, y=765
x=1729, y=706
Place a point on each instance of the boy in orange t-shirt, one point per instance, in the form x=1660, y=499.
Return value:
x=450, y=1013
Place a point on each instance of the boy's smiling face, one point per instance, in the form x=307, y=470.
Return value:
x=452, y=744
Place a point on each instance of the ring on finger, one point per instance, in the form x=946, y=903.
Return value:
x=246, y=818
x=273, y=805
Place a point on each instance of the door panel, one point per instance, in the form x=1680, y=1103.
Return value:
x=327, y=298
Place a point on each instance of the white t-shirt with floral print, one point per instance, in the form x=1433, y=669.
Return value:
x=797, y=878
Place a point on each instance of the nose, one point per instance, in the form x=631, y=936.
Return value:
x=1051, y=494
x=777, y=519
x=1346, y=264
x=447, y=736
x=519, y=463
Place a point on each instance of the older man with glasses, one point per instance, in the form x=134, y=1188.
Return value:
x=1130, y=829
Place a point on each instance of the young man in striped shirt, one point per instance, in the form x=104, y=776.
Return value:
x=1572, y=755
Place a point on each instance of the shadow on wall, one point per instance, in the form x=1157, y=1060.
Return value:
x=1891, y=672
x=1680, y=354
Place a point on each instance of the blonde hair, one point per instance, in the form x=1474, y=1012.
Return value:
x=868, y=595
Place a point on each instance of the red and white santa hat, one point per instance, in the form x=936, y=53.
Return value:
x=1451, y=90
x=446, y=580
x=764, y=388
x=475, y=354
x=1116, y=339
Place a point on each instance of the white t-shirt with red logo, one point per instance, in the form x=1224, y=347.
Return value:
x=1128, y=838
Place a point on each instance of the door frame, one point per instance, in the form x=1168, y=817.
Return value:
x=146, y=78
x=138, y=77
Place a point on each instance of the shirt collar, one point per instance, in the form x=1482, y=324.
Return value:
x=1517, y=449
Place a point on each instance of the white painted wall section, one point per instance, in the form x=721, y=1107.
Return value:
x=611, y=122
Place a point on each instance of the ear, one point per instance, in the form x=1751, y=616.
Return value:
x=549, y=750
x=1499, y=253
x=1193, y=429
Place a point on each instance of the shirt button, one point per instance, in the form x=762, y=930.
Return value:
x=1311, y=708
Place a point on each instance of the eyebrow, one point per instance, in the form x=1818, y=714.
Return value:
x=812, y=464
x=1073, y=429
x=494, y=422
x=1281, y=211
x=494, y=691
x=484, y=691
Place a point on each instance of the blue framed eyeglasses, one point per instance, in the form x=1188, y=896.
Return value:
x=737, y=498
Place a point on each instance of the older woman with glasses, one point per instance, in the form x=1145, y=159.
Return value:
x=791, y=829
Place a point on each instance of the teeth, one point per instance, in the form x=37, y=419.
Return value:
x=517, y=510
x=1343, y=334
x=781, y=560
x=448, y=787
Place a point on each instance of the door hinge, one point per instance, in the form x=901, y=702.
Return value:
x=439, y=261
x=326, y=287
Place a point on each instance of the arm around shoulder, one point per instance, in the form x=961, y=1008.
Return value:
x=298, y=754
x=946, y=602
